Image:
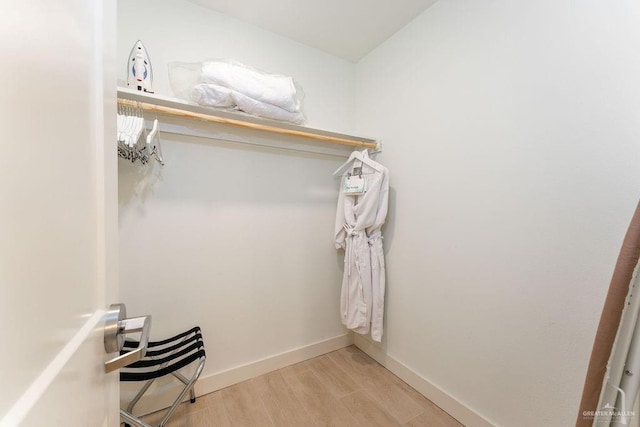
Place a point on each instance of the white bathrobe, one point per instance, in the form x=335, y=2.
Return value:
x=359, y=219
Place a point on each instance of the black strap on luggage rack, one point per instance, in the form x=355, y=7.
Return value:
x=163, y=358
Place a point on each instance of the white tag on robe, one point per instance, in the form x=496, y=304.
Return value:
x=354, y=184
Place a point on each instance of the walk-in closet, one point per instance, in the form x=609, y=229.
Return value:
x=359, y=213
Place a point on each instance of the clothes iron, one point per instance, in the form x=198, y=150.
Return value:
x=139, y=72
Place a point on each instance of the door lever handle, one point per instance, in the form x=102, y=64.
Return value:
x=116, y=327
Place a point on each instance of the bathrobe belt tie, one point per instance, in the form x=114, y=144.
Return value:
x=352, y=233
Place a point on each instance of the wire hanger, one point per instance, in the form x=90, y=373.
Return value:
x=362, y=156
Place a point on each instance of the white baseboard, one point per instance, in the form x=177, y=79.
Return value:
x=448, y=403
x=162, y=396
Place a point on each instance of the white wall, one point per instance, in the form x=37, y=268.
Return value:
x=236, y=239
x=512, y=134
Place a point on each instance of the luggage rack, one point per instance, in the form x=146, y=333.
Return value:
x=164, y=358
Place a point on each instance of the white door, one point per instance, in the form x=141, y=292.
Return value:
x=58, y=211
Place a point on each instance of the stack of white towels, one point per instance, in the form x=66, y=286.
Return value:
x=228, y=84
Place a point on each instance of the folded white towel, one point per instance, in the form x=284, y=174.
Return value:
x=213, y=96
x=262, y=109
x=268, y=88
x=217, y=96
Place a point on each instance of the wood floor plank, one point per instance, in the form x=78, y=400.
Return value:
x=396, y=402
x=244, y=407
x=280, y=401
x=332, y=376
x=367, y=410
x=202, y=418
x=365, y=371
x=317, y=400
x=436, y=415
x=381, y=384
x=178, y=418
x=436, y=418
x=421, y=400
x=208, y=411
x=414, y=394
x=202, y=402
x=298, y=367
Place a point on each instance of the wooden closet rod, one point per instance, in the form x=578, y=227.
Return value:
x=220, y=120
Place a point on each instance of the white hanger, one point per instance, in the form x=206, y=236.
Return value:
x=152, y=134
x=131, y=130
x=138, y=129
x=155, y=148
x=363, y=156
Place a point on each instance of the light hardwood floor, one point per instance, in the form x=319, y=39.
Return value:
x=342, y=388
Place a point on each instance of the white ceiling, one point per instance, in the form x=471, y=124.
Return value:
x=346, y=28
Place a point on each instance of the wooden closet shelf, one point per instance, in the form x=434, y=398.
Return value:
x=177, y=108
